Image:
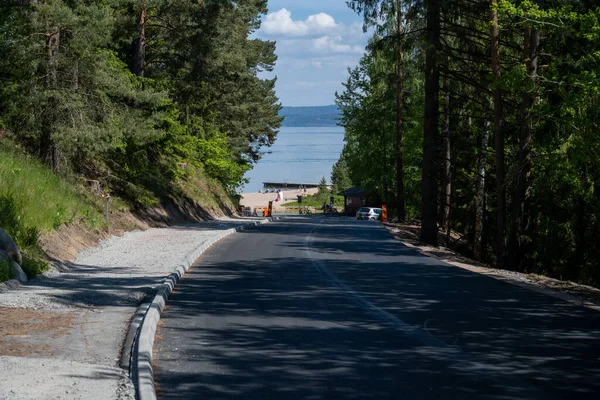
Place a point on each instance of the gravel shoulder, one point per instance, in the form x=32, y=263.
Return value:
x=63, y=332
x=582, y=295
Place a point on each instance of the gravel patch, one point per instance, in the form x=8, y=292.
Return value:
x=119, y=272
x=103, y=287
x=46, y=378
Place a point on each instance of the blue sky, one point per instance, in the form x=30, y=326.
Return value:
x=317, y=40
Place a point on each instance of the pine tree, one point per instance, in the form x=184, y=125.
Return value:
x=340, y=179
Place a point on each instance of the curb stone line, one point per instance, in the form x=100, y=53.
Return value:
x=127, y=351
x=146, y=319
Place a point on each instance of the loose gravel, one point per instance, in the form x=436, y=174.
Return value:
x=120, y=271
x=103, y=288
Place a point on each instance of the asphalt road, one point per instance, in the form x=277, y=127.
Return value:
x=337, y=309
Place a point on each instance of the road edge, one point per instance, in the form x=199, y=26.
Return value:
x=137, y=349
x=489, y=272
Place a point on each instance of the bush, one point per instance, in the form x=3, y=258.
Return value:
x=37, y=198
x=5, y=271
x=32, y=200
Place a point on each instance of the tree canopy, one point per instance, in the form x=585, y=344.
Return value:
x=500, y=126
x=131, y=90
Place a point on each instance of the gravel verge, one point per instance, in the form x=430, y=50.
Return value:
x=574, y=293
x=97, y=295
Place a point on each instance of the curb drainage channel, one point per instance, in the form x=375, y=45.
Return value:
x=137, y=350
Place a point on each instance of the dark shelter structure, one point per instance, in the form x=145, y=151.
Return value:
x=354, y=198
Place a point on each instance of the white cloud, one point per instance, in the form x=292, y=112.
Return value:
x=328, y=44
x=324, y=45
x=314, y=52
x=281, y=23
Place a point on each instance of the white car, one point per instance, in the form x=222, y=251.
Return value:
x=370, y=213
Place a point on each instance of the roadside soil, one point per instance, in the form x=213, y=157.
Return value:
x=23, y=331
x=63, y=245
x=67, y=314
x=572, y=292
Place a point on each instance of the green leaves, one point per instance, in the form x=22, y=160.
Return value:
x=68, y=86
x=554, y=112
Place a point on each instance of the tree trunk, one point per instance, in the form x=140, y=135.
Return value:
x=520, y=223
x=432, y=87
x=399, y=101
x=140, y=44
x=384, y=164
x=499, y=139
x=49, y=148
x=447, y=194
x=75, y=75
x=479, y=210
x=581, y=245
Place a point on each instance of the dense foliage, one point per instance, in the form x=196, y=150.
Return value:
x=498, y=104
x=138, y=94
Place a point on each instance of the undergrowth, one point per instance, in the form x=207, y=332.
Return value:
x=5, y=271
x=316, y=201
x=206, y=192
x=35, y=200
x=40, y=199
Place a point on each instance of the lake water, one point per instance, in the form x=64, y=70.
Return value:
x=299, y=155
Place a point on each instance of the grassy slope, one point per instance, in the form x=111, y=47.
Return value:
x=43, y=200
x=33, y=200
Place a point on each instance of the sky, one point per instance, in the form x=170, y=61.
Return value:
x=317, y=40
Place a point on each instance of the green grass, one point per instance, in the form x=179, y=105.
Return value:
x=316, y=201
x=35, y=200
x=42, y=200
x=5, y=271
x=205, y=191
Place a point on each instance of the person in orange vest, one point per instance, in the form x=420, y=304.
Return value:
x=265, y=212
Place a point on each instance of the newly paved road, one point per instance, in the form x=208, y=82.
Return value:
x=336, y=309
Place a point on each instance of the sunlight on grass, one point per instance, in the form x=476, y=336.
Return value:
x=35, y=200
x=42, y=200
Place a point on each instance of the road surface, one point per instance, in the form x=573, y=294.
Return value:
x=332, y=308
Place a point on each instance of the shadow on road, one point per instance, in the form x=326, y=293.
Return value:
x=275, y=327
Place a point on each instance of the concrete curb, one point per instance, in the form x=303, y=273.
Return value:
x=145, y=321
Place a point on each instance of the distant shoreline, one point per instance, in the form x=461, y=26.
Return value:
x=311, y=126
x=310, y=116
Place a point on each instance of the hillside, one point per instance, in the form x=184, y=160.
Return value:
x=310, y=116
x=91, y=118
x=53, y=217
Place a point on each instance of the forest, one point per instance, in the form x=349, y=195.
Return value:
x=482, y=117
x=138, y=94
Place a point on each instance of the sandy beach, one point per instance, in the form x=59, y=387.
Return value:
x=262, y=199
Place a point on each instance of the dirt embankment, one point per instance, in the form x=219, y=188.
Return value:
x=68, y=240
